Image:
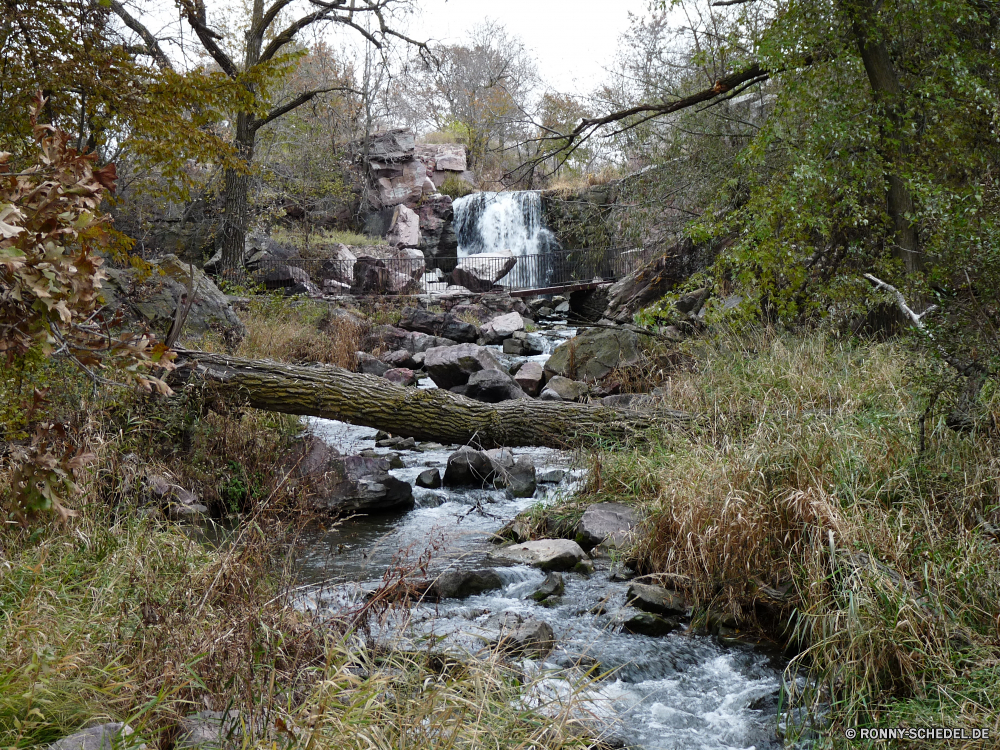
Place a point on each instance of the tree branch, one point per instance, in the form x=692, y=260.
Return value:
x=153, y=48
x=194, y=11
x=298, y=101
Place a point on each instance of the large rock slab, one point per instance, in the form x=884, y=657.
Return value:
x=405, y=228
x=547, y=554
x=446, y=325
x=502, y=327
x=610, y=524
x=110, y=736
x=458, y=584
x=152, y=299
x=493, y=386
x=529, y=377
x=656, y=599
x=452, y=366
x=594, y=353
x=478, y=273
x=359, y=484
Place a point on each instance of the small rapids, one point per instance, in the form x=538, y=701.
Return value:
x=675, y=692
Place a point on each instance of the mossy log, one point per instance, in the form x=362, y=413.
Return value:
x=335, y=393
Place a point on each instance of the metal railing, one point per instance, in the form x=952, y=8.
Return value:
x=478, y=273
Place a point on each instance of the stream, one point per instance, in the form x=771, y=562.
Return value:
x=659, y=693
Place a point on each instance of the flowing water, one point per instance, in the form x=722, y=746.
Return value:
x=489, y=222
x=679, y=691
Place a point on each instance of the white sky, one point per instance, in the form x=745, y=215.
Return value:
x=572, y=40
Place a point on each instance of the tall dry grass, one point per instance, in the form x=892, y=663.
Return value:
x=801, y=505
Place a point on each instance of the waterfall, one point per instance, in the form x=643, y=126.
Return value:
x=493, y=222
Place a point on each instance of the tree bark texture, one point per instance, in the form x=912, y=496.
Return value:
x=371, y=401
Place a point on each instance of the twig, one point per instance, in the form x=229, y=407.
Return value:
x=917, y=319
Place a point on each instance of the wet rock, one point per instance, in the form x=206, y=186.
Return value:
x=606, y=523
x=458, y=584
x=478, y=273
x=522, y=344
x=529, y=378
x=400, y=358
x=553, y=585
x=359, y=484
x=657, y=600
x=562, y=308
x=493, y=386
x=110, y=736
x=370, y=365
x=400, y=376
x=395, y=461
x=446, y=325
x=430, y=479
x=393, y=339
x=531, y=638
x=502, y=328
x=551, y=476
x=520, y=478
x=594, y=353
x=468, y=467
x=452, y=365
x=646, y=623
x=547, y=554
x=517, y=530
x=559, y=388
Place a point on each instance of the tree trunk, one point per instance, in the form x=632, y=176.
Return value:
x=888, y=91
x=370, y=401
x=237, y=209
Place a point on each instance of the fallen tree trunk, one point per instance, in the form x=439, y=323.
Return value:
x=335, y=393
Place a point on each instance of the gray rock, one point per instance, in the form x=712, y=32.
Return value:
x=395, y=461
x=478, y=273
x=468, y=467
x=692, y=303
x=606, y=523
x=522, y=481
x=657, y=600
x=370, y=365
x=284, y=276
x=430, y=479
x=363, y=485
x=646, y=623
x=547, y=554
x=530, y=378
x=553, y=585
x=493, y=386
x=393, y=338
x=400, y=376
x=458, y=584
x=562, y=308
x=544, y=312
x=594, y=353
x=110, y=736
x=502, y=328
x=213, y=730
x=559, y=388
x=452, y=365
x=187, y=512
x=522, y=344
x=532, y=638
x=400, y=358
x=551, y=476
x=438, y=324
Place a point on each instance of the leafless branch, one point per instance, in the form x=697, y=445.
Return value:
x=298, y=101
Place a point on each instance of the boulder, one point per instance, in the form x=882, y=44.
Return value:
x=553, y=585
x=110, y=736
x=282, y=276
x=551, y=476
x=400, y=376
x=400, y=358
x=522, y=344
x=370, y=276
x=594, y=353
x=370, y=365
x=547, y=554
x=360, y=484
x=394, y=339
x=531, y=638
x=451, y=366
x=479, y=273
x=657, y=600
x=151, y=299
x=468, y=467
x=430, y=479
x=214, y=730
x=447, y=325
x=493, y=386
x=610, y=524
x=405, y=228
x=559, y=388
x=529, y=377
x=502, y=327
x=645, y=623
x=339, y=267
x=517, y=476
x=458, y=584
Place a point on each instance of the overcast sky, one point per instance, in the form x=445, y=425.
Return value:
x=572, y=40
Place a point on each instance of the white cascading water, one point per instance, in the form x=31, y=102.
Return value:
x=493, y=222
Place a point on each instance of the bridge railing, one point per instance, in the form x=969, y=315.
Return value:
x=404, y=275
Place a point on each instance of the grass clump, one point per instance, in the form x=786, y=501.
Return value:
x=320, y=243
x=802, y=505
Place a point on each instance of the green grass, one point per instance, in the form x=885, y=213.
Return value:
x=804, y=470
x=319, y=243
